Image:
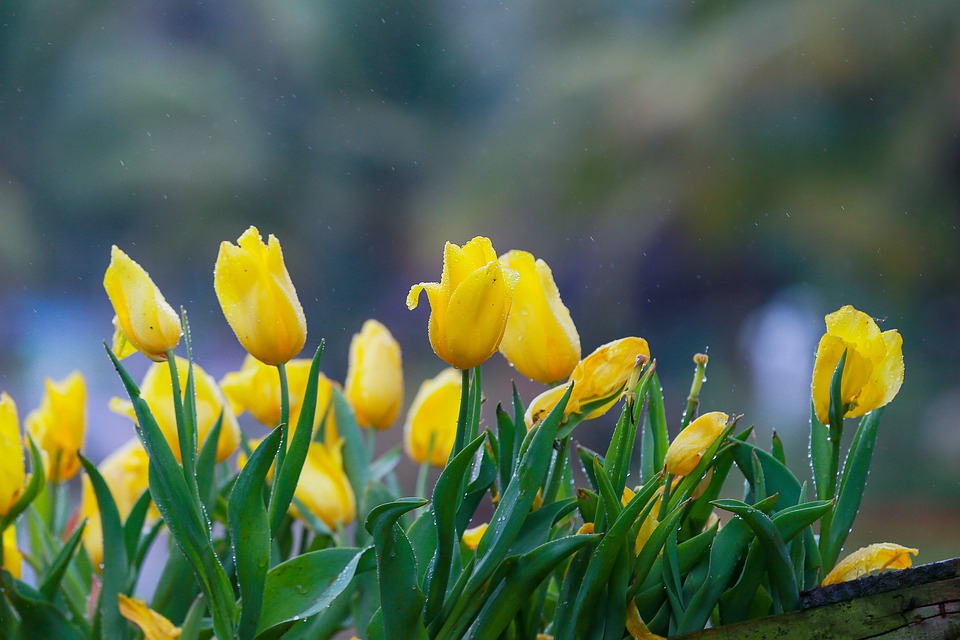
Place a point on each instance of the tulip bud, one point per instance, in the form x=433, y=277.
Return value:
x=540, y=339
x=12, y=558
x=144, y=318
x=258, y=298
x=374, y=386
x=431, y=426
x=872, y=371
x=324, y=488
x=58, y=425
x=470, y=304
x=12, y=468
x=684, y=453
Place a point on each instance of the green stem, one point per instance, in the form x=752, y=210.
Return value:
x=284, y=428
x=422, y=475
x=693, y=400
x=185, y=438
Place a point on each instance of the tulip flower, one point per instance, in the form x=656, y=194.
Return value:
x=685, y=452
x=324, y=488
x=258, y=298
x=540, y=339
x=144, y=319
x=374, y=386
x=872, y=371
x=256, y=388
x=156, y=390
x=12, y=469
x=471, y=537
x=12, y=558
x=598, y=381
x=431, y=425
x=470, y=304
x=870, y=559
x=153, y=625
x=58, y=425
x=125, y=472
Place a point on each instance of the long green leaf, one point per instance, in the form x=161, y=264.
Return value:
x=39, y=618
x=506, y=436
x=819, y=455
x=655, y=439
x=38, y=480
x=58, y=568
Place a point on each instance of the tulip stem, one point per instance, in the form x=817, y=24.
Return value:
x=184, y=437
x=284, y=416
x=693, y=400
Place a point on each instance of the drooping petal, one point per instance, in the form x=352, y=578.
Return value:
x=870, y=559
x=153, y=625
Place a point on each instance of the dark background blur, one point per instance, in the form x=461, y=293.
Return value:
x=703, y=174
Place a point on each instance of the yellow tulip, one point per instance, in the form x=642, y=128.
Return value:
x=470, y=304
x=600, y=376
x=125, y=472
x=872, y=372
x=12, y=469
x=471, y=537
x=12, y=558
x=258, y=298
x=649, y=524
x=433, y=418
x=256, y=388
x=153, y=625
x=686, y=450
x=58, y=425
x=540, y=340
x=374, y=385
x=324, y=488
x=144, y=318
x=870, y=559
x=157, y=391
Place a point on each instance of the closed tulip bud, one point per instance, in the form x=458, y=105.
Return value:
x=870, y=559
x=685, y=452
x=156, y=390
x=12, y=558
x=152, y=625
x=470, y=304
x=258, y=298
x=256, y=388
x=324, y=488
x=540, y=340
x=431, y=426
x=58, y=425
x=144, y=319
x=125, y=472
x=13, y=474
x=872, y=371
x=374, y=385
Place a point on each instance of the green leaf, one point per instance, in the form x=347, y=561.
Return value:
x=39, y=618
x=654, y=440
x=586, y=457
x=506, y=436
x=400, y=596
x=108, y=623
x=356, y=460
x=776, y=449
x=620, y=452
x=36, y=484
x=610, y=501
x=852, y=483
x=423, y=538
x=820, y=452
x=777, y=479
x=133, y=527
x=671, y=579
x=250, y=532
x=536, y=528
x=58, y=568
x=287, y=475
x=306, y=585
x=837, y=408
x=207, y=465
x=193, y=622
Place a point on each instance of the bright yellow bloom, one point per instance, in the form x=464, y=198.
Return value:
x=58, y=425
x=871, y=559
x=157, y=391
x=471, y=537
x=13, y=475
x=433, y=418
x=144, y=318
x=600, y=376
x=12, y=558
x=470, y=304
x=374, y=385
x=256, y=388
x=540, y=340
x=324, y=488
x=649, y=524
x=684, y=453
x=153, y=625
x=872, y=372
x=126, y=473
x=258, y=298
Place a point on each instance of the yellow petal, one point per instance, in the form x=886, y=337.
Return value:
x=477, y=315
x=12, y=558
x=374, y=385
x=604, y=373
x=870, y=559
x=121, y=346
x=258, y=298
x=635, y=625
x=685, y=451
x=543, y=404
x=471, y=537
x=143, y=315
x=324, y=488
x=432, y=418
x=12, y=468
x=153, y=625
x=540, y=339
x=59, y=423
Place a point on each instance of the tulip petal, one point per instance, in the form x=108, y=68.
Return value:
x=153, y=625
x=870, y=559
x=685, y=451
x=433, y=416
x=477, y=315
x=12, y=466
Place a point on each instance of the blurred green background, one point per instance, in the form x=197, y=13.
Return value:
x=707, y=175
